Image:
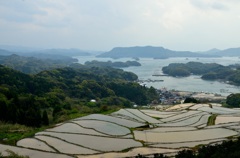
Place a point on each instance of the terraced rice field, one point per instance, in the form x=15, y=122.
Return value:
x=226, y=118
x=103, y=127
x=129, y=132
x=183, y=136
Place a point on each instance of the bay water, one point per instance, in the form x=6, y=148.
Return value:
x=192, y=83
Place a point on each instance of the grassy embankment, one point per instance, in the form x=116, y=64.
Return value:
x=211, y=120
x=11, y=133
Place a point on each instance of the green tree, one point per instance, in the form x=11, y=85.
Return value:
x=191, y=100
x=3, y=107
x=185, y=154
x=57, y=109
x=233, y=100
x=33, y=118
x=45, y=119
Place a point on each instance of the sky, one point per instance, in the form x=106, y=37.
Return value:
x=100, y=25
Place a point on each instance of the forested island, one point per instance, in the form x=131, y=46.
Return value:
x=150, y=52
x=117, y=64
x=207, y=71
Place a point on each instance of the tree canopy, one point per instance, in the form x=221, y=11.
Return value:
x=54, y=95
x=233, y=100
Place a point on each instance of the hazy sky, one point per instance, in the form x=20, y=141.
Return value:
x=104, y=24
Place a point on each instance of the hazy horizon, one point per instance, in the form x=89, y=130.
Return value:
x=192, y=25
x=8, y=47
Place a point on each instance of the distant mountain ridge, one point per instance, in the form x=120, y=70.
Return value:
x=53, y=54
x=150, y=52
x=32, y=65
x=117, y=52
x=5, y=52
x=65, y=52
x=229, y=52
x=20, y=50
x=211, y=51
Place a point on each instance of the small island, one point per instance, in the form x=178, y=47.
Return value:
x=208, y=71
x=117, y=64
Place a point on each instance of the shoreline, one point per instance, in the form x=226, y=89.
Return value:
x=171, y=97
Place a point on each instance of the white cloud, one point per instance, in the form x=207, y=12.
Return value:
x=103, y=24
x=209, y=4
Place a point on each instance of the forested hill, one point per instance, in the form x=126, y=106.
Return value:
x=149, y=52
x=65, y=92
x=232, y=52
x=5, y=52
x=32, y=65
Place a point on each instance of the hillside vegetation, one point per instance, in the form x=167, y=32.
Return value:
x=65, y=91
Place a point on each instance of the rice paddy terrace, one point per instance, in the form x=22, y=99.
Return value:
x=129, y=132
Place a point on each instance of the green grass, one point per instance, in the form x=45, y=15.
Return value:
x=11, y=154
x=211, y=120
x=109, y=111
x=11, y=133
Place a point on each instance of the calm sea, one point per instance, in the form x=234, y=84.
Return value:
x=193, y=83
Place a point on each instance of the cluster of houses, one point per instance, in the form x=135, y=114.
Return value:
x=170, y=97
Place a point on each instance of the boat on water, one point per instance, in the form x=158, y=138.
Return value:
x=158, y=73
x=150, y=80
x=224, y=90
